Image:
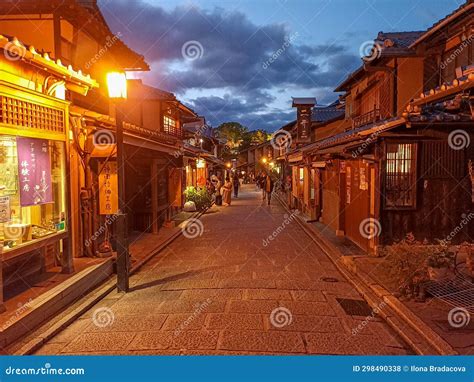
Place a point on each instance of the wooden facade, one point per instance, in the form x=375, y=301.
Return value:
x=390, y=165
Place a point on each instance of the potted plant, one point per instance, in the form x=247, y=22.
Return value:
x=438, y=264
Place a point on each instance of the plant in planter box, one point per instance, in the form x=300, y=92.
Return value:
x=438, y=263
x=201, y=197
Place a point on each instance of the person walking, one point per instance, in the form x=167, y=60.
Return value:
x=227, y=192
x=236, y=184
x=268, y=188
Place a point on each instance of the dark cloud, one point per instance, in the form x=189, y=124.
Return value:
x=249, y=62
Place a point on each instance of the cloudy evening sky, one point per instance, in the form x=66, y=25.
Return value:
x=231, y=77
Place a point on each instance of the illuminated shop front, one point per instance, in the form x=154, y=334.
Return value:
x=32, y=190
x=35, y=210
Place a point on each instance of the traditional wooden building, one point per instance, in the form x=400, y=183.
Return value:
x=37, y=210
x=395, y=167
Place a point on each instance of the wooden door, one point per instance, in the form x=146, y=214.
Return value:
x=357, y=213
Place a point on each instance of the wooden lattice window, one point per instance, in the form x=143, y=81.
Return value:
x=21, y=113
x=400, y=175
x=169, y=125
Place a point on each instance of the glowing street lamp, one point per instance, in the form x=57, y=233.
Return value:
x=117, y=88
x=117, y=85
x=264, y=160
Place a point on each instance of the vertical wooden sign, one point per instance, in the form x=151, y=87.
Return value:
x=303, y=124
x=108, y=189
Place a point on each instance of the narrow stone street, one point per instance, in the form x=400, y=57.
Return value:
x=231, y=290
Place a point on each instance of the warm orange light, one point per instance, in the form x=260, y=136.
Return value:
x=117, y=85
x=228, y=165
x=272, y=164
x=264, y=160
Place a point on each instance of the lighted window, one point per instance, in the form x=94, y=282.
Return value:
x=400, y=175
x=169, y=125
x=32, y=189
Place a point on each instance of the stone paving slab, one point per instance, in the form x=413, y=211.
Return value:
x=192, y=340
x=235, y=321
x=273, y=342
x=226, y=293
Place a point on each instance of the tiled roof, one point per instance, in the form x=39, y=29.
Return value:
x=303, y=101
x=324, y=114
x=373, y=129
x=17, y=49
x=138, y=90
x=399, y=39
x=467, y=6
x=87, y=16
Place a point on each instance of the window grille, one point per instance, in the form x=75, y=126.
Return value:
x=19, y=113
x=400, y=175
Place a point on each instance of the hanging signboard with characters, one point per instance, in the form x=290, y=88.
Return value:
x=34, y=171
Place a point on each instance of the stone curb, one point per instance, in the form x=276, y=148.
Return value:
x=417, y=334
x=90, y=300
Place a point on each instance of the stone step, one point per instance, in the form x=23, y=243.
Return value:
x=53, y=301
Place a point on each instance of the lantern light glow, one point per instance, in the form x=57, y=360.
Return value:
x=117, y=85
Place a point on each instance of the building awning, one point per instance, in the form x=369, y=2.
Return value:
x=295, y=157
x=75, y=80
x=144, y=143
x=319, y=164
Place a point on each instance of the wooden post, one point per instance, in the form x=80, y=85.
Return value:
x=123, y=263
x=67, y=264
x=154, y=196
